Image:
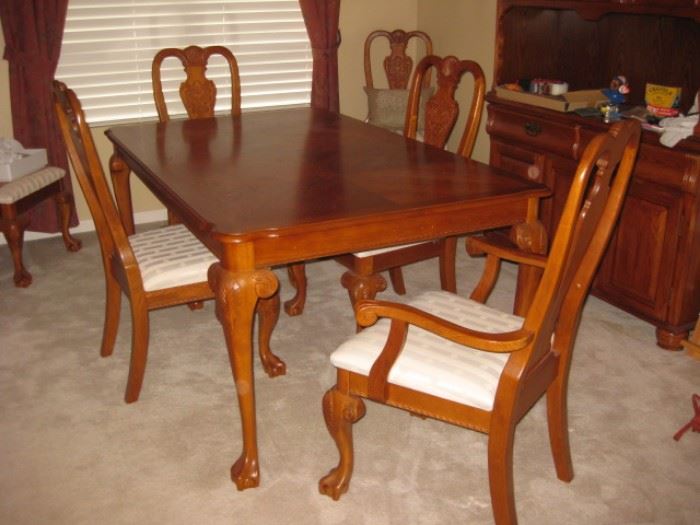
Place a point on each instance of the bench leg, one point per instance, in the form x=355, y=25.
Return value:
x=64, y=205
x=13, y=228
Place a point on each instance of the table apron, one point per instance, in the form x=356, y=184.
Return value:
x=335, y=239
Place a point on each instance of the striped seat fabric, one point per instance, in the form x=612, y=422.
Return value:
x=170, y=256
x=433, y=364
x=26, y=185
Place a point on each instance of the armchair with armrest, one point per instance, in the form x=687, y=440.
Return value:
x=463, y=362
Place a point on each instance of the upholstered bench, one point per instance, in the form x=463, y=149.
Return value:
x=19, y=196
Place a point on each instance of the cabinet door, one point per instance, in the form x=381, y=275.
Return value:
x=637, y=270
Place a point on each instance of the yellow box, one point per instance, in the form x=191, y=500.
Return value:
x=662, y=96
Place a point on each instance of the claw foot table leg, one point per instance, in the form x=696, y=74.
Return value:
x=237, y=293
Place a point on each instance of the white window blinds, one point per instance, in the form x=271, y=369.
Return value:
x=108, y=46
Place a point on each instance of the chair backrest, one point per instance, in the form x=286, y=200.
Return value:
x=591, y=210
x=197, y=92
x=87, y=167
x=397, y=65
x=441, y=109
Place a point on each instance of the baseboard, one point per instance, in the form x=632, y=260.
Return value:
x=143, y=217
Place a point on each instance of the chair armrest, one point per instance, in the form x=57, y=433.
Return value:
x=367, y=313
x=499, y=245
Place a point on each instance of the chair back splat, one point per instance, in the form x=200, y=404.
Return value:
x=463, y=362
x=442, y=109
x=197, y=92
x=398, y=66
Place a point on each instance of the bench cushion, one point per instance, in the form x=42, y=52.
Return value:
x=30, y=183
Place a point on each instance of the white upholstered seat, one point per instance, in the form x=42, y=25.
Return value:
x=170, y=257
x=433, y=364
x=379, y=251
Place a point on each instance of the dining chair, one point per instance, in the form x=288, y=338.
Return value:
x=441, y=112
x=386, y=107
x=197, y=92
x=156, y=268
x=460, y=361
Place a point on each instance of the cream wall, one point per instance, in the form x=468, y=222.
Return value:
x=464, y=28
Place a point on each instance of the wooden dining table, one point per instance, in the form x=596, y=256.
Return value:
x=270, y=188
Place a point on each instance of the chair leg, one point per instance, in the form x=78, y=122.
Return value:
x=448, y=258
x=297, y=277
x=396, y=276
x=361, y=287
x=139, y=350
x=113, y=296
x=268, y=314
x=484, y=287
x=13, y=228
x=64, y=204
x=557, y=423
x=340, y=411
x=501, y=476
x=172, y=218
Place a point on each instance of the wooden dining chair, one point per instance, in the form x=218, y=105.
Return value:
x=197, y=92
x=155, y=269
x=386, y=107
x=463, y=362
x=442, y=110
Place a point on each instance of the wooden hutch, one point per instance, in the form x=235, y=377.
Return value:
x=652, y=266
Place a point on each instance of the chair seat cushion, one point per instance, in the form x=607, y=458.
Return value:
x=386, y=108
x=432, y=364
x=379, y=251
x=26, y=185
x=170, y=256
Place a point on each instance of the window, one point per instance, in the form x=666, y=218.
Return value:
x=108, y=47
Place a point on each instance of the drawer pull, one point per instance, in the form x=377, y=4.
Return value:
x=534, y=173
x=533, y=128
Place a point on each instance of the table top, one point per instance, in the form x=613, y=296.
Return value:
x=276, y=173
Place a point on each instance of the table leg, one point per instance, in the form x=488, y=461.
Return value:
x=119, y=172
x=237, y=294
x=529, y=236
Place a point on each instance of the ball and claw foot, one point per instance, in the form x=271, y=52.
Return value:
x=22, y=278
x=274, y=366
x=73, y=244
x=332, y=485
x=245, y=474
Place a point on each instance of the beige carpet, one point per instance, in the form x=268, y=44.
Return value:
x=71, y=452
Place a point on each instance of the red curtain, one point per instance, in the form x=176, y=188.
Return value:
x=322, y=18
x=33, y=32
